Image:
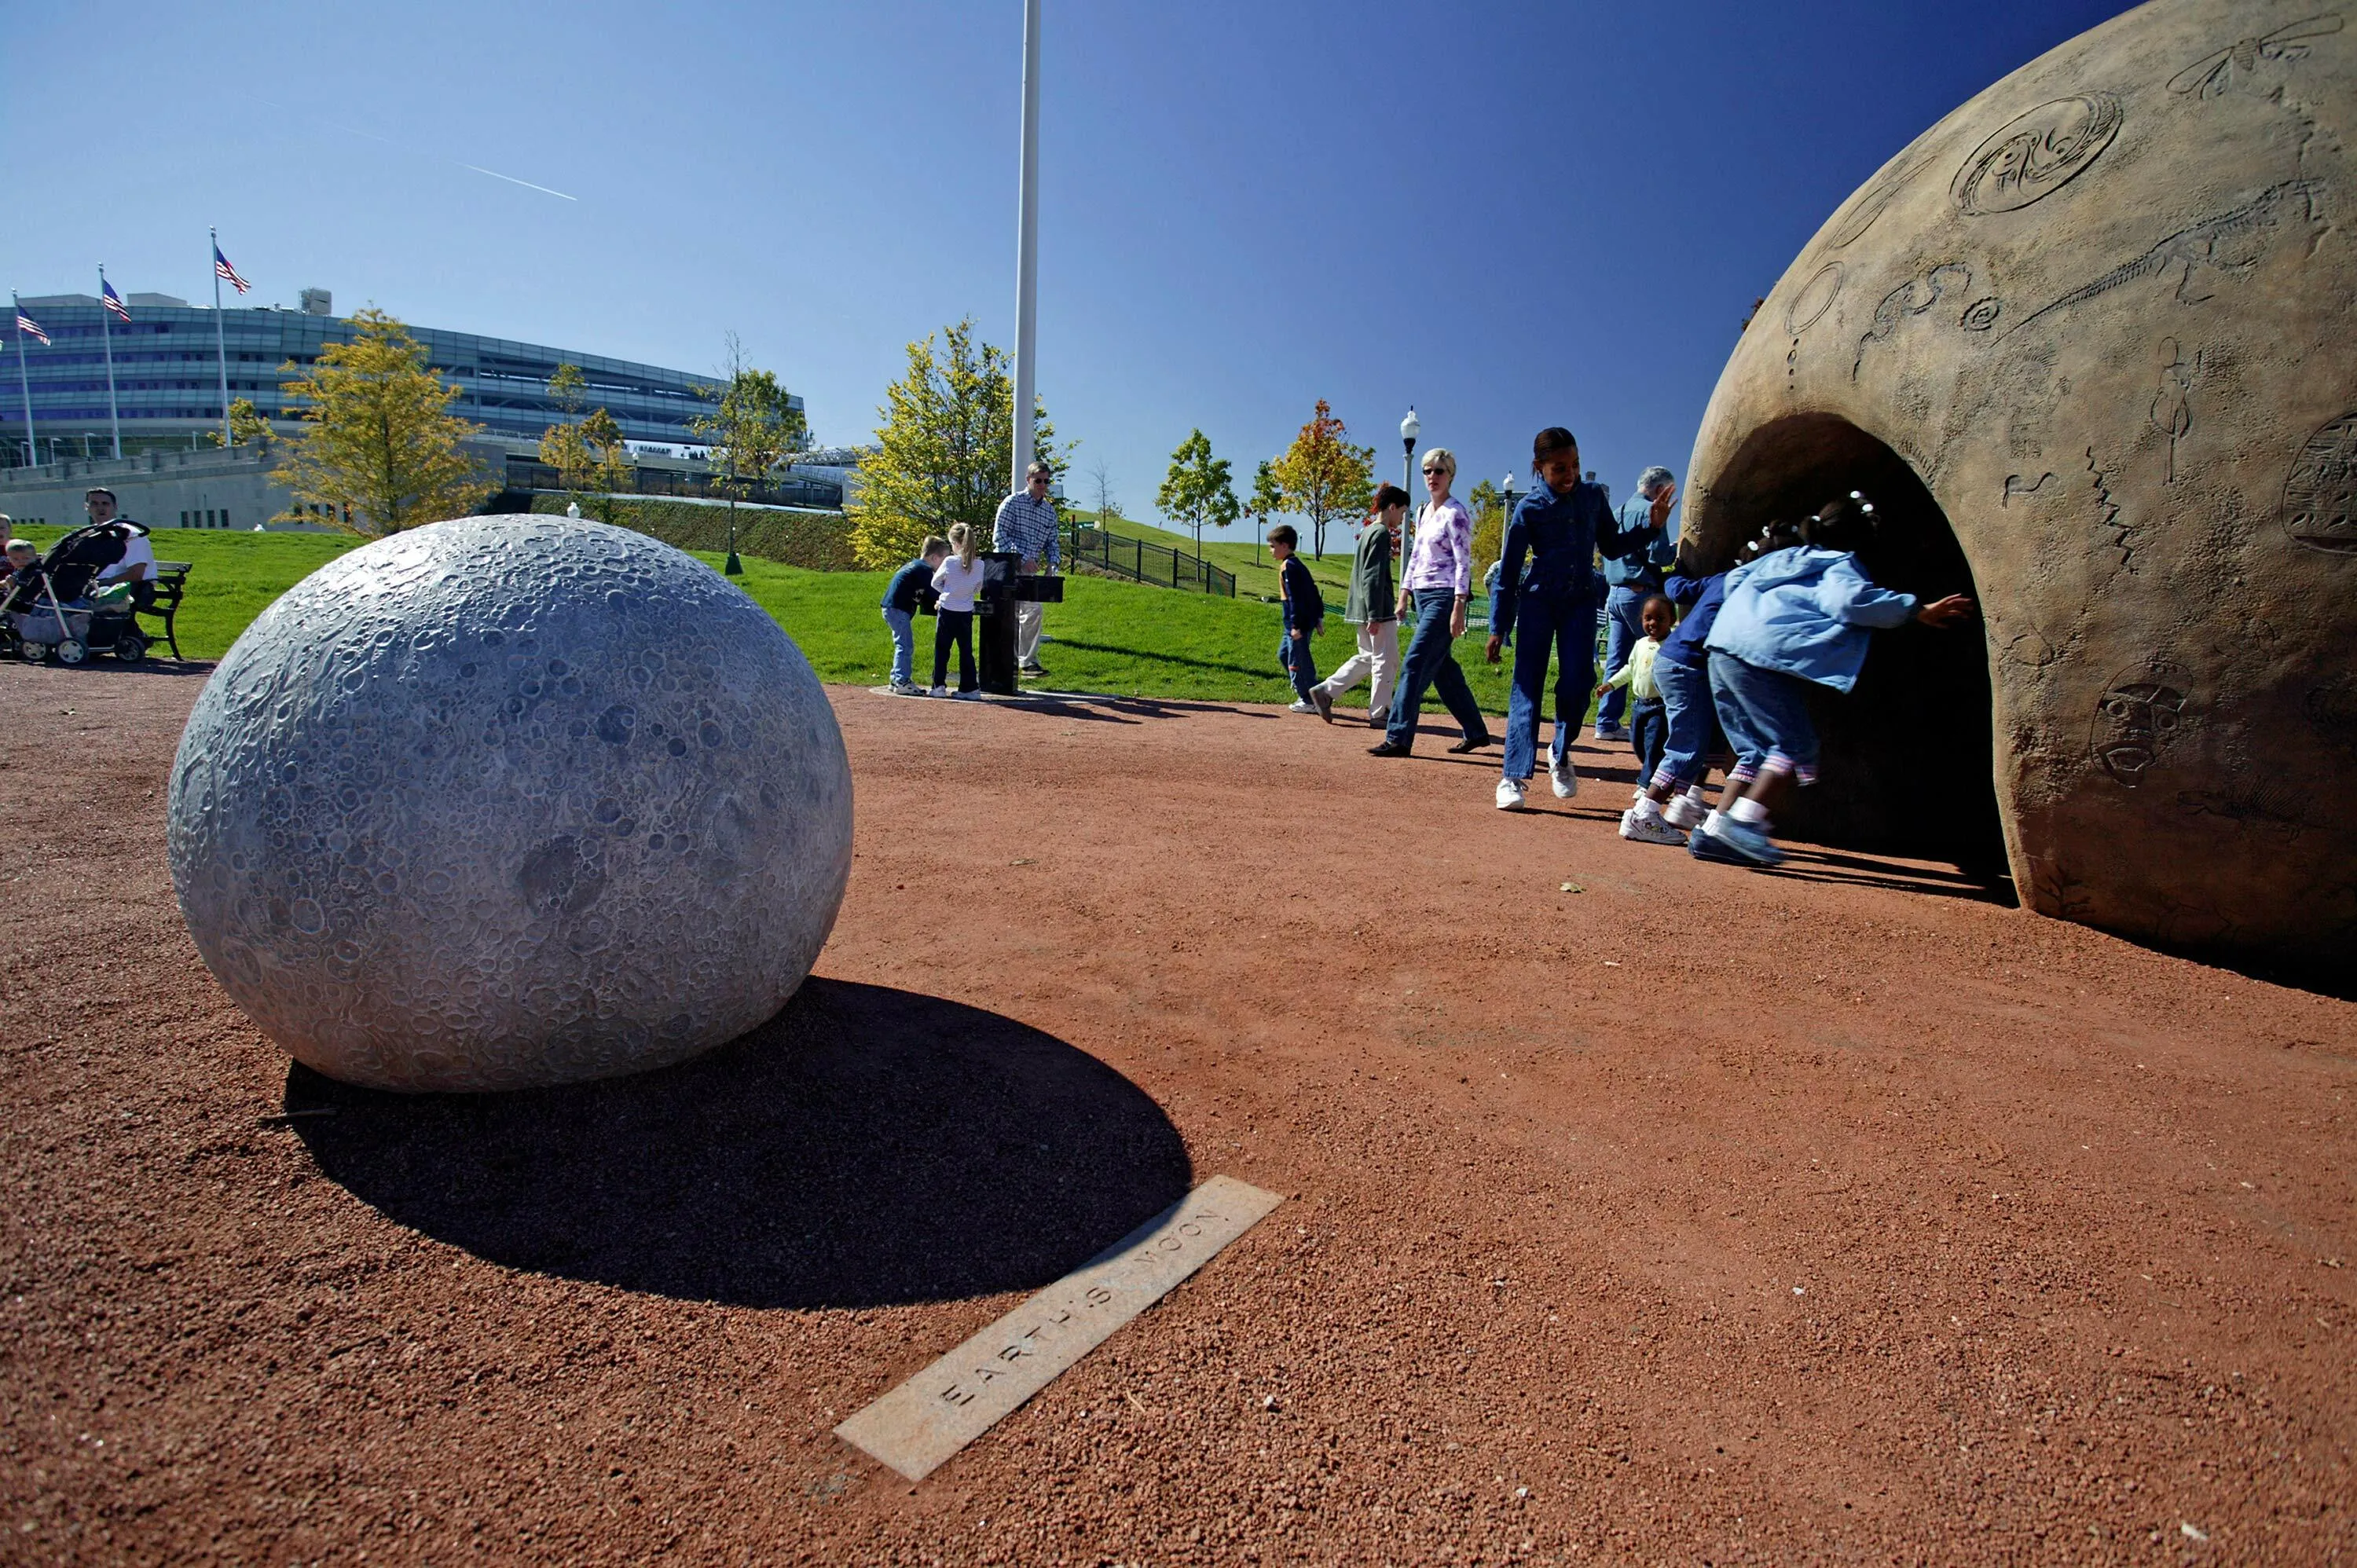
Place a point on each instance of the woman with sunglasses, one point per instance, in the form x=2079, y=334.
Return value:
x=1439, y=577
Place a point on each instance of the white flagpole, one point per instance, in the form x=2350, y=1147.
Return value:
x=1027, y=249
x=221, y=341
x=17, y=325
x=106, y=330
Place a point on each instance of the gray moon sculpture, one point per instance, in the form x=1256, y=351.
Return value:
x=2087, y=342
x=508, y=801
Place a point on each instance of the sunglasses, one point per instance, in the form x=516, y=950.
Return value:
x=1430, y=472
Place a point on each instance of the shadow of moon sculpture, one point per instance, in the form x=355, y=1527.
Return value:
x=508, y=801
x=2091, y=359
x=867, y=1146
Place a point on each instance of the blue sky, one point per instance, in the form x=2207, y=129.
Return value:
x=1512, y=215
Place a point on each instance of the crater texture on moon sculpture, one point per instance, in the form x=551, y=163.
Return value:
x=2094, y=336
x=508, y=801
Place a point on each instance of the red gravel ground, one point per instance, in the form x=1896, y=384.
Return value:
x=1690, y=1216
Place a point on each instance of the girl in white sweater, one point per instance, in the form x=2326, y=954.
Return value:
x=958, y=581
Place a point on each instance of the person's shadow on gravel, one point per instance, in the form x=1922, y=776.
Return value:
x=867, y=1146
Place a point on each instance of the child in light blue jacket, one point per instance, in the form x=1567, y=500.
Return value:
x=1793, y=618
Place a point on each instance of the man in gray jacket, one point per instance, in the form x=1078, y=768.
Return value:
x=1373, y=610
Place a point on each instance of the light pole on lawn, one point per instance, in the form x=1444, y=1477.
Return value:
x=1409, y=431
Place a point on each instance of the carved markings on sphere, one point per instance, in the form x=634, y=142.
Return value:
x=2227, y=243
x=2135, y=720
x=1913, y=297
x=2213, y=75
x=1816, y=298
x=2320, y=500
x=2035, y=155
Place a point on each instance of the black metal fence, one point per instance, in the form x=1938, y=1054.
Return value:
x=1125, y=556
x=780, y=490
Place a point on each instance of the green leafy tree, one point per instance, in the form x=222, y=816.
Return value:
x=754, y=425
x=587, y=452
x=947, y=430
x=1323, y=477
x=1267, y=500
x=380, y=449
x=247, y=426
x=1199, y=488
x=1488, y=505
x=751, y=430
x=569, y=388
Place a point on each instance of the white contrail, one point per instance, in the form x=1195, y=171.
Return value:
x=437, y=157
x=512, y=181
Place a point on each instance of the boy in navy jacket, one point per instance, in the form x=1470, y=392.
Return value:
x=1305, y=614
x=908, y=587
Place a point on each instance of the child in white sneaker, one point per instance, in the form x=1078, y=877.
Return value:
x=1791, y=620
x=1672, y=804
x=1648, y=727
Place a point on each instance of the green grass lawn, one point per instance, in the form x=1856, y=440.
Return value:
x=1113, y=637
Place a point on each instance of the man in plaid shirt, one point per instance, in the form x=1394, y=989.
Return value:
x=1027, y=525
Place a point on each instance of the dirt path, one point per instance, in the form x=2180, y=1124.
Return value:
x=1691, y=1216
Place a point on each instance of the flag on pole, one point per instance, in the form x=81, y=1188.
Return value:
x=113, y=301
x=26, y=324
x=227, y=274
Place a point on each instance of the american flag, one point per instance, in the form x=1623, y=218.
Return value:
x=227, y=274
x=26, y=325
x=111, y=300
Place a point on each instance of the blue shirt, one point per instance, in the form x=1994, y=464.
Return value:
x=1807, y=612
x=1699, y=598
x=900, y=593
x=1645, y=550
x=1561, y=534
x=1027, y=527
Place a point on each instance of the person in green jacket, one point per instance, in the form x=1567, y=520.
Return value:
x=1372, y=609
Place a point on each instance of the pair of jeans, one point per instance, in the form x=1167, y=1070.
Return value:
x=904, y=645
x=1565, y=628
x=1649, y=726
x=953, y=626
x=1432, y=662
x=1624, y=624
x=1377, y=660
x=1766, y=715
x=1300, y=665
x=1688, y=712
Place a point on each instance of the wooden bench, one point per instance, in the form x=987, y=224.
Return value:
x=171, y=586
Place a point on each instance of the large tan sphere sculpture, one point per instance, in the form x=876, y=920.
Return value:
x=509, y=801
x=2089, y=342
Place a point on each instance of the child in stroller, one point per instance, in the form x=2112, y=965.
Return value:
x=49, y=609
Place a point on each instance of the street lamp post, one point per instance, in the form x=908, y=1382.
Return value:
x=1409, y=430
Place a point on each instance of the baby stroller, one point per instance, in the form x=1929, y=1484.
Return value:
x=51, y=612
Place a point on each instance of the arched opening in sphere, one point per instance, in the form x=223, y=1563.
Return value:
x=1909, y=756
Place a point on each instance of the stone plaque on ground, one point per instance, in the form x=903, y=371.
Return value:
x=920, y=1424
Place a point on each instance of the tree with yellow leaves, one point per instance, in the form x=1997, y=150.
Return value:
x=1323, y=477
x=942, y=451
x=380, y=449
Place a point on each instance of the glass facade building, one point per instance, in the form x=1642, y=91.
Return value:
x=167, y=377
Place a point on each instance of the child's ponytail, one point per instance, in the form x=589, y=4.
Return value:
x=962, y=541
x=1844, y=524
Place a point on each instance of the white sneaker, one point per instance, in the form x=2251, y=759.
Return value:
x=1684, y=813
x=1509, y=794
x=939, y=691
x=1301, y=706
x=1566, y=778
x=1640, y=827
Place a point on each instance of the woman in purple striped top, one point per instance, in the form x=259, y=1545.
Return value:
x=1439, y=578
